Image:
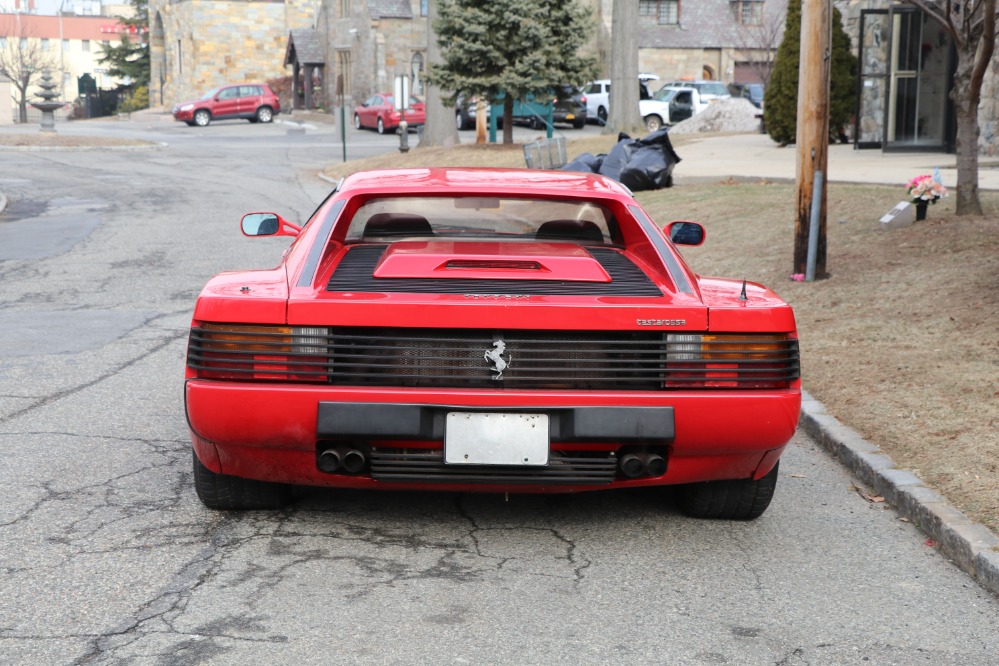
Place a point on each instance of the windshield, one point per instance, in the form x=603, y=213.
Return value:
x=211, y=93
x=479, y=217
x=665, y=94
x=713, y=89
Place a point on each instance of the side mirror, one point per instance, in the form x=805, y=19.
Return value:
x=267, y=224
x=682, y=232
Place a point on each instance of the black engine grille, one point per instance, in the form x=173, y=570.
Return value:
x=354, y=273
x=412, y=465
x=536, y=359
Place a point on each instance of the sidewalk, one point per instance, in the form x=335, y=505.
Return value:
x=757, y=156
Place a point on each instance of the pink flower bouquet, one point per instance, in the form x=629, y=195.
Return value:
x=926, y=188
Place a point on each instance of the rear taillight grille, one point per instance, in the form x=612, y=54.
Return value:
x=731, y=360
x=256, y=353
x=542, y=360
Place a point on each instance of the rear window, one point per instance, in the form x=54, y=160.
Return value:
x=482, y=217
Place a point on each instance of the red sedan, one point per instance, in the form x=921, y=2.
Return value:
x=488, y=330
x=378, y=112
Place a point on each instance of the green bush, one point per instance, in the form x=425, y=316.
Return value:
x=780, y=101
x=137, y=98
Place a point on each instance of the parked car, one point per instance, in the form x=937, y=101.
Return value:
x=670, y=106
x=751, y=91
x=598, y=96
x=568, y=107
x=255, y=102
x=709, y=91
x=378, y=112
x=488, y=330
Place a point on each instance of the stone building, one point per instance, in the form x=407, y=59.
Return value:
x=195, y=45
x=365, y=44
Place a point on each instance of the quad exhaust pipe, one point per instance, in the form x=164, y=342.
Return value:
x=635, y=465
x=342, y=460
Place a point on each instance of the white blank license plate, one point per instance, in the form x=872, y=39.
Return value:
x=496, y=439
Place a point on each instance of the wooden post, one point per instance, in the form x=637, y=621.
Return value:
x=813, y=126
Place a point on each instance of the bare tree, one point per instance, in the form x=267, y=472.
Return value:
x=623, y=115
x=972, y=25
x=21, y=59
x=758, y=42
x=439, y=128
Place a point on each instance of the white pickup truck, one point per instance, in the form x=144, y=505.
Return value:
x=670, y=105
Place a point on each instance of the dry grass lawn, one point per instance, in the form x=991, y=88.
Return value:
x=901, y=342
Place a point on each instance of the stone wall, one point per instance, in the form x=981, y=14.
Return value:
x=207, y=43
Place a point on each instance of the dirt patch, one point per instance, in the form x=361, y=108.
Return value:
x=56, y=140
x=901, y=341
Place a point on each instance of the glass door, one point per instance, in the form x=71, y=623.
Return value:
x=917, y=109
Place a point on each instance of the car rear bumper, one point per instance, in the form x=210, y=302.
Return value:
x=276, y=433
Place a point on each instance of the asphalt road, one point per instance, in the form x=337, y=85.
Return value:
x=108, y=557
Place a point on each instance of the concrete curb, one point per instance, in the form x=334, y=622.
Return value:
x=970, y=545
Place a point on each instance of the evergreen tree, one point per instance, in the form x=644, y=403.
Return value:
x=780, y=101
x=510, y=50
x=130, y=59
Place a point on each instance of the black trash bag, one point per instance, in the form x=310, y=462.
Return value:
x=587, y=163
x=618, y=158
x=651, y=163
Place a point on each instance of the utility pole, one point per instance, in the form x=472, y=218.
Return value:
x=813, y=133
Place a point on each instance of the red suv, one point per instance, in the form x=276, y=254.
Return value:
x=254, y=101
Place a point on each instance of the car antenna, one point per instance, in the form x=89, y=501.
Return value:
x=742, y=296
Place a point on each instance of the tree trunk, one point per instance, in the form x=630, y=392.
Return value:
x=439, y=128
x=966, y=109
x=22, y=109
x=508, y=119
x=623, y=115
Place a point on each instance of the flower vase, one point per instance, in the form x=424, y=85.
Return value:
x=921, y=210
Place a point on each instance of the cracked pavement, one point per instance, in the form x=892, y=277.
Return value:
x=108, y=557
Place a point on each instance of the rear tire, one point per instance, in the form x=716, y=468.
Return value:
x=357, y=121
x=232, y=493
x=653, y=122
x=739, y=499
x=265, y=114
x=459, y=120
x=602, y=115
x=381, y=126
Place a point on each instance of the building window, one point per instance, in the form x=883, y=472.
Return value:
x=424, y=7
x=343, y=72
x=344, y=8
x=180, y=58
x=416, y=74
x=65, y=45
x=86, y=46
x=45, y=44
x=748, y=12
x=661, y=12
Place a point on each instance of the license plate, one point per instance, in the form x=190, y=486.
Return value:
x=496, y=439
